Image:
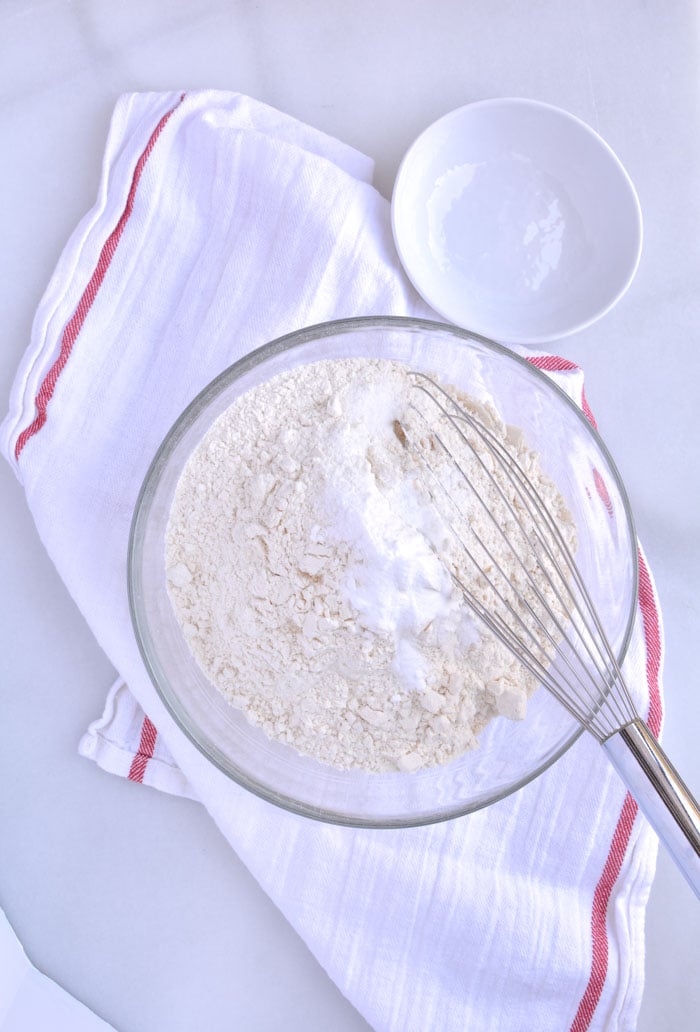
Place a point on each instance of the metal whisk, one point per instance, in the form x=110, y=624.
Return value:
x=537, y=603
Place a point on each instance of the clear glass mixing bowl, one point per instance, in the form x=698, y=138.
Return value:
x=510, y=753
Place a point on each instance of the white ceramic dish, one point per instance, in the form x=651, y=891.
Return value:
x=514, y=219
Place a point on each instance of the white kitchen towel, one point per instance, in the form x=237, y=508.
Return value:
x=221, y=224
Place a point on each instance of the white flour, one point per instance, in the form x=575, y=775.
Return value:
x=309, y=572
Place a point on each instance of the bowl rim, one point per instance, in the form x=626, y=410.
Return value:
x=398, y=218
x=287, y=342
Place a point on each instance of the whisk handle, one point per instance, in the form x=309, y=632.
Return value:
x=662, y=796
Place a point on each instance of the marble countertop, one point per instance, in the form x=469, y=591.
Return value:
x=199, y=945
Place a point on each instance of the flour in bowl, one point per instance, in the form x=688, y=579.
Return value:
x=311, y=572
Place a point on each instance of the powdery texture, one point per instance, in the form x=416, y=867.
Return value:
x=311, y=572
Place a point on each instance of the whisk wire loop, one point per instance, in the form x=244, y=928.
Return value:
x=538, y=630
x=503, y=627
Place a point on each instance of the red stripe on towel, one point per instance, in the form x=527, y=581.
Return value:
x=75, y=323
x=623, y=830
x=147, y=744
x=555, y=364
x=652, y=637
x=599, y=931
x=602, y=490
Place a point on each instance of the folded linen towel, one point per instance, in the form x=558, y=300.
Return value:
x=221, y=224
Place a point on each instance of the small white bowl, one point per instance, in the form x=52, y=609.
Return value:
x=514, y=219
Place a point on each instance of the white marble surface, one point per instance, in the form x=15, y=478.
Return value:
x=132, y=900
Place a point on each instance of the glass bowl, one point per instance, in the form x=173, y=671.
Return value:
x=510, y=753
